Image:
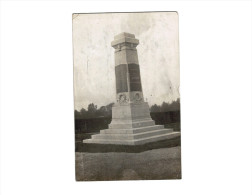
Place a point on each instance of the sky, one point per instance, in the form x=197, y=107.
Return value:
x=94, y=67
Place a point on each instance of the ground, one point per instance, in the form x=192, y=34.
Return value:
x=162, y=163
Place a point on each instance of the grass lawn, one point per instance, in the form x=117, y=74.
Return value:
x=162, y=163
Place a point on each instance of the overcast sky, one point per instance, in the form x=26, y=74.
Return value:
x=94, y=73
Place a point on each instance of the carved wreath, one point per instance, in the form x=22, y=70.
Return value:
x=137, y=97
x=123, y=98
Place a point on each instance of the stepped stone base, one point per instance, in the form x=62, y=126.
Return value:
x=132, y=125
x=140, y=132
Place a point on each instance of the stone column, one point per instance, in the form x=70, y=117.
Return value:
x=130, y=103
x=127, y=70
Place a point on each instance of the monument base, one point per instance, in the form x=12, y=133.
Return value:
x=132, y=125
x=133, y=136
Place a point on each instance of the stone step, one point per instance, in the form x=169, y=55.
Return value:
x=134, y=142
x=132, y=136
x=157, y=138
x=132, y=130
x=133, y=124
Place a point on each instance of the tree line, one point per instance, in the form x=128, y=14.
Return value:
x=106, y=111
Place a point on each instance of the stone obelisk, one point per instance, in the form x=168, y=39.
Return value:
x=131, y=121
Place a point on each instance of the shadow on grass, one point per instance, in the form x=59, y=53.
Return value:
x=104, y=148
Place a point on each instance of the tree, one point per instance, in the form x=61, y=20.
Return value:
x=165, y=107
x=83, y=113
x=109, y=109
x=102, y=111
x=77, y=114
x=155, y=108
x=92, y=108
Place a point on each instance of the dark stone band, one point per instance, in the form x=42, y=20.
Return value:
x=134, y=78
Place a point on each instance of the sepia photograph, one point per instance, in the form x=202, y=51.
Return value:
x=120, y=97
x=126, y=96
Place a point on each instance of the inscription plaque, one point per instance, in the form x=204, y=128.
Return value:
x=121, y=78
x=134, y=77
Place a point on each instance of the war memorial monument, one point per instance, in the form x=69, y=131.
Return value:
x=131, y=121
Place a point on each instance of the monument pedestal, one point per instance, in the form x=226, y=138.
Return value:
x=131, y=122
x=132, y=126
x=133, y=136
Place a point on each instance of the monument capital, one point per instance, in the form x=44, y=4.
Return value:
x=124, y=39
